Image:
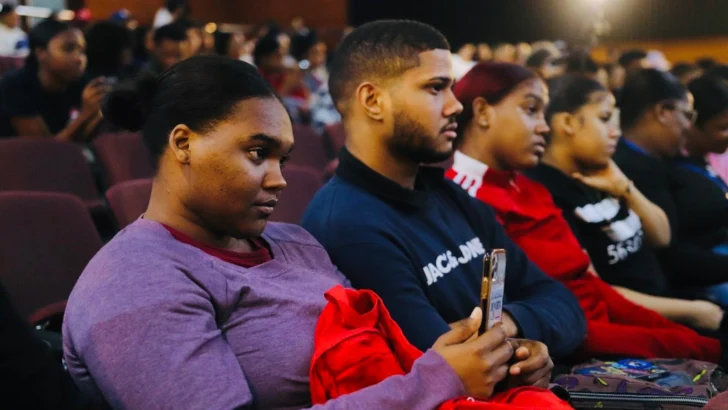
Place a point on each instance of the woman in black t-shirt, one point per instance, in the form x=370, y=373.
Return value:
x=45, y=98
x=613, y=221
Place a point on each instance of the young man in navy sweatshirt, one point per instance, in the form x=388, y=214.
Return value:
x=404, y=231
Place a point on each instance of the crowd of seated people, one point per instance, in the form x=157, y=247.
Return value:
x=600, y=189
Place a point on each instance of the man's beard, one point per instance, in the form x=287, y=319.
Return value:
x=411, y=141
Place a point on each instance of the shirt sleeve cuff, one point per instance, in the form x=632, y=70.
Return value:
x=435, y=371
x=527, y=322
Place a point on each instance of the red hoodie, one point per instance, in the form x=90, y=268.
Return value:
x=615, y=326
x=357, y=344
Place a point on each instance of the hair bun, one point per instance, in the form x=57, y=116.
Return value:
x=128, y=105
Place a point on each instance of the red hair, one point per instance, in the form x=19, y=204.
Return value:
x=492, y=82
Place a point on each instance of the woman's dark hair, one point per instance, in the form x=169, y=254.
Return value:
x=569, y=93
x=41, y=35
x=645, y=89
x=265, y=46
x=711, y=97
x=197, y=92
x=491, y=81
x=105, y=43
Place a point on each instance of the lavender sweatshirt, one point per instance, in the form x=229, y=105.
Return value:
x=157, y=324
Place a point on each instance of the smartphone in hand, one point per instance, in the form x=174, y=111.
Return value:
x=492, y=288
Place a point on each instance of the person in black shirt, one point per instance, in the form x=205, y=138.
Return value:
x=45, y=98
x=656, y=114
x=706, y=223
x=612, y=220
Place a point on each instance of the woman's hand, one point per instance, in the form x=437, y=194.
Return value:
x=481, y=362
x=610, y=180
x=706, y=315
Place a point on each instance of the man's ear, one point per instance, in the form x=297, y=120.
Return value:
x=179, y=143
x=371, y=98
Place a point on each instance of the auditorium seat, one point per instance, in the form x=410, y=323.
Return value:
x=334, y=139
x=47, y=240
x=129, y=200
x=8, y=63
x=303, y=183
x=47, y=165
x=309, y=151
x=123, y=157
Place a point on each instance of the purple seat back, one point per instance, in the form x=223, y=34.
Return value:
x=35, y=164
x=303, y=183
x=129, y=200
x=47, y=240
x=334, y=138
x=309, y=150
x=123, y=156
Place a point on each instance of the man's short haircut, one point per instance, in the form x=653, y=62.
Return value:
x=380, y=50
x=176, y=32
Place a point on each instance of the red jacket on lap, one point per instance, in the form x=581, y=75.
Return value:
x=357, y=344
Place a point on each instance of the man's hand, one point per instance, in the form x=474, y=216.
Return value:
x=509, y=325
x=532, y=365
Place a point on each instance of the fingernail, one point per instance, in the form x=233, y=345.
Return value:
x=476, y=313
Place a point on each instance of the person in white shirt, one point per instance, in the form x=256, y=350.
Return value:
x=13, y=40
x=171, y=12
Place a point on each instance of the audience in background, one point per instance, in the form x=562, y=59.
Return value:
x=544, y=64
x=13, y=40
x=404, y=231
x=109, y=48
x=485, y=53
x=633, y=61
x=195, y=37
x=229, y=44
x=617, y=226
x=125, y=18
x=706, y=63
x=504, y=133
x=704, y=219
x=686, y=72
x=656, y=114
x=171, y=46
x=656, y=59
x=45, y=98
x=172, y=11
x=505, y=53
x=462, y=61
x=523, y=50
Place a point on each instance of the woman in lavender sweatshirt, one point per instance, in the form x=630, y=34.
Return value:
x=202, y=304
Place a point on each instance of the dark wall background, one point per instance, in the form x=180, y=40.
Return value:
x=496, y=21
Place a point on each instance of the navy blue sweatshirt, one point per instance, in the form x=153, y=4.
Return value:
x=422, y=252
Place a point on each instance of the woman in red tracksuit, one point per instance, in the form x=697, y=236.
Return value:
x=502, y=131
